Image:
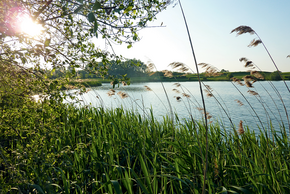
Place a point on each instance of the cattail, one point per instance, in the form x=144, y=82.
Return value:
x=241, y=128
x=239, y=102
x=253, y=92
x=242, y=30
x=255, y=43
x=147, y=88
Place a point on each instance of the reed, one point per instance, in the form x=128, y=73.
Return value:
x=116, y=151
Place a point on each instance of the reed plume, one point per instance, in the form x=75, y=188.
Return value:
x=123, y=94
x=180, y=67
x=237, y=81
x=241, y=128
x=186, y=95
x=176, y=85
x=124, y=83
x=178, y=98
x=148, y=88
x=167, y=73
x=246, y=29
x=243, y=30
x=255, y=43
x=111, y=92
x=176, y=90
x=257, y=74
x=252, y=92
x=239, y=102
x=210, y=70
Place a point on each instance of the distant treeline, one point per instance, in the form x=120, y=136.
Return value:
x=138, y=72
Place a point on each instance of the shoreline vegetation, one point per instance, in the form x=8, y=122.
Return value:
x=93, y=150
x=178, y=77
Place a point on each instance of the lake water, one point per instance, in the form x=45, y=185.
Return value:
x=266, y=107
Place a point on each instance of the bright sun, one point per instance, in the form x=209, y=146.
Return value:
x=29, y=27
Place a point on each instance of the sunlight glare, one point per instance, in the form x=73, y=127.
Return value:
x=29, y=27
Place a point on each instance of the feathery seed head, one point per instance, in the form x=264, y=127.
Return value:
x=122, y=95
x=176, y=90
x=243, y=30
x=177, y=84
x=248, y=84
x=241, y=128
x=185, y=95
x=147, y=88
x=255, y=43
x=257, y=74
x=239, y=102
x=253, y=92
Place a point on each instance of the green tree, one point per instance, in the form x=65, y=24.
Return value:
x=230, y=75
x=275, y=76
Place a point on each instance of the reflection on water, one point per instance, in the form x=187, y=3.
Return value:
x=256, y=110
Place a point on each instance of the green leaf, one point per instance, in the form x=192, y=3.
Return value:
x=96, y=25
x=47, y=42
x=116, y=186
x=91, y=17
x=97, y=5
x=129, y=46
x=78, y=9
x=128, y=9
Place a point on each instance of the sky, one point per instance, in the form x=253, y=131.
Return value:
x=210, y=24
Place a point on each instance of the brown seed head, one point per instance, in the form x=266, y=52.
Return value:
x=147, y=88
x=255, y=43
x=257, y=74
x=241, y=128
x=243, y=30
x=177, y=84
x=167, y=73
x=239, y=102
x=253, y=92
x=122, y=95
x=185, y=95
x=176, y=90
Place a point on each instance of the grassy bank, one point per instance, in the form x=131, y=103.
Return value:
x=90, y=150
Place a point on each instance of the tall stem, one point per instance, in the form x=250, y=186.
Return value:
x=202, y=97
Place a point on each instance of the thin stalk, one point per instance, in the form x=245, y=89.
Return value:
x=202, y=97
x=273, y=61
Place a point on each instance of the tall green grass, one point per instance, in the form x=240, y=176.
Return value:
x=92, y=150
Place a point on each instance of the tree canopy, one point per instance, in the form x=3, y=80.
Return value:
x=68, y=30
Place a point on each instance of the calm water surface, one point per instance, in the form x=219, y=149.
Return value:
x=267, y=105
